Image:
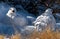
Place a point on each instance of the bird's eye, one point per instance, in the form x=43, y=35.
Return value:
x=13, y=11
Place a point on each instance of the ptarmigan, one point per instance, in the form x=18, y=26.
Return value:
x=20, y=22
x=16, y=18
x=45, y=20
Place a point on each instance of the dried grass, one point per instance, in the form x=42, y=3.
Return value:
x=46, y=34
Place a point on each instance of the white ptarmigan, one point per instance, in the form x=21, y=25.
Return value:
x=45, y=20
x=17, y=19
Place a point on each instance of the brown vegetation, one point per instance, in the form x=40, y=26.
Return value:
x=46, y=34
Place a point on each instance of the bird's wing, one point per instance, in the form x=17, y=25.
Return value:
x=38, y=19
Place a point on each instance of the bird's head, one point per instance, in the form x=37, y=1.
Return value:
x=11, y=13
x=49, y=10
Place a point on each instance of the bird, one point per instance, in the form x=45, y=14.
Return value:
x=16, y=18
x=13, y=19
x=45, y=20
x=20, y=17
x=20, y=22
x=30, y=17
